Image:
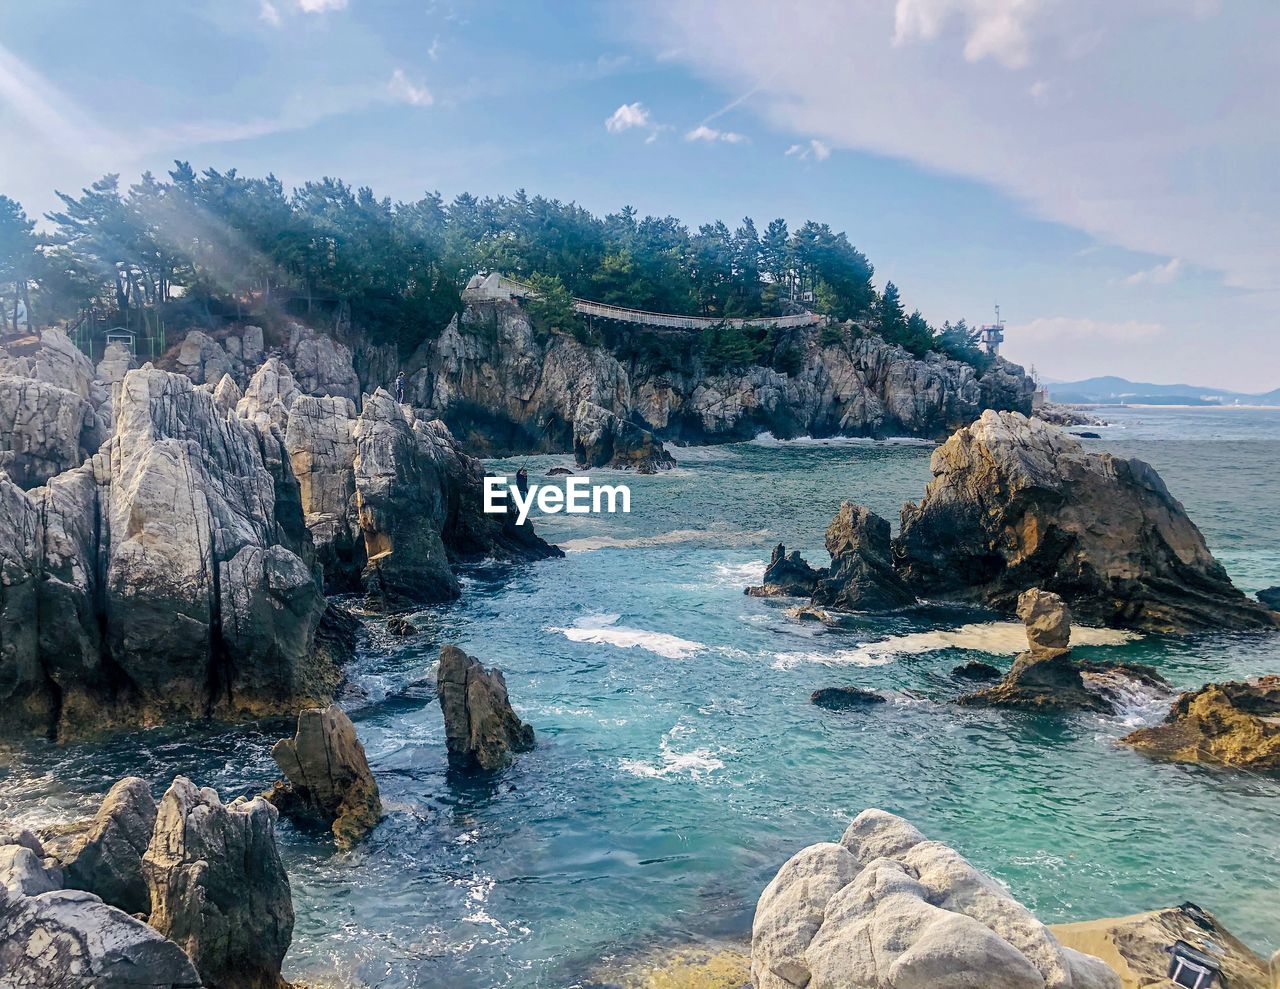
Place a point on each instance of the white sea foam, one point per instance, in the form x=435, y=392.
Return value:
x=696, y=764
x=1136, y=703
x=605, y=630
x=769, y=440
x=997, y=638
x=721, y=536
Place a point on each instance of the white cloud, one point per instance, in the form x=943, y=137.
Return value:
x=627, y=116
x=814, y=149
x=1159, y=161
x=404, y=90
x=1160, y=274
x=320, y=6
x=704, y=133
x=1060, y=329
x=993, y=28
x=268, y=13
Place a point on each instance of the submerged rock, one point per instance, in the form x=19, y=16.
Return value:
x=976, y=670
x=1235, y=724
x=398, y=626
x=107, y=861
x=603, y=439
x=888, y=908
x=328, y=775
x=1137, y=947
x=1015, y=503
x=786, y=576
x=481, y=729
x=845, y=698
x=218, y=888
x=861, y=576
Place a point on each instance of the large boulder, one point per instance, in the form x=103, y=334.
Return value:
x=1047, y=619
x=321, y=365
x=69, y=938
x=218, y=888
x=1234, y=724
x=1015, y=503
x=888, y=908
x=603, y=439
x=203, y=359
x=108, y=860
x=1270, y=596
x=269, y=395
x=481, y=729
x=787, y=575
x=328, y=776
x=861, y=576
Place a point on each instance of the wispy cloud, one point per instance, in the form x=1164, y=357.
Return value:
x=704, y=133
x=269, y=13
x=993, y=28
x=320, y=6
x=1160, y=274
x=814, y=149
x=404, y=90
x=627, y=116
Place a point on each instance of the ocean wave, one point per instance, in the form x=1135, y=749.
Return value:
x=696, y=763
x=605, y=630
x=767, y=439
x=719, y=535
x=1136, y=703
x=996, y=638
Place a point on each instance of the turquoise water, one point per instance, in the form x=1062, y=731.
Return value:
x=673, y=776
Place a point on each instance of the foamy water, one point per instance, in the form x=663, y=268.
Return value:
x=605, y=630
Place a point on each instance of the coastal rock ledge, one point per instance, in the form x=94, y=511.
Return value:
x=886, y=907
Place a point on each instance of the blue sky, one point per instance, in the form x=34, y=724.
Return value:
x=1106, y=172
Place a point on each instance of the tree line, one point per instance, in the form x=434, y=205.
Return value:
x=216, y=243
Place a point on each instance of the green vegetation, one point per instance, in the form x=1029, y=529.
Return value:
x=212, y=246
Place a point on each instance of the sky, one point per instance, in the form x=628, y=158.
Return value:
x=1108, y=173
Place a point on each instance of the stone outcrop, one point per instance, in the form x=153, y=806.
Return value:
x=886, y=907
x=976, y=670
x=481, y=729
x=1015, y=503
x=107, y=860
x=1137, y=947
x=602, y=439
x=861, y=576
x=787, y=575
x=169, y=576
x=218, y=889
x=328, y=776
x=58, y=362
x=320, y=439
x=321, y=365
x=1270, y=596
x=504, y=389
x=269, y=395
x=1235, y=724
x=48, y=430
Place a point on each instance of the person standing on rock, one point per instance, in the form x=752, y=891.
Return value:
x=400, y=388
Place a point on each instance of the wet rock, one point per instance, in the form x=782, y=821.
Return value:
x=328, y=775
x=481, y=729
x=888, y=908
x=1015, y=503
x=1085, y=434
x=559, y=471
x=861, y=576
x=1270, y=597
x=69, y=938
x=845, y=698
x=786, y=576
x=108, y=861
x=1235, y=724
x=1137, y=947
x=397, y=625
x=603, y=439
x=218, y=888
x=976, y=670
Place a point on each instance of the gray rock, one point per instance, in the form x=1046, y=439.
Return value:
x=890, y=909
x=786, y=576
x=68, y=939
x=602, y=439
x=52, y=429
x=1015, y=503
x=845, y=698
x=202, y=359
x=1270, y=596
x=108, y=863
x=218, y=889
x=861, y=576
x=268, y=396
x=328, y=775
x=320, y=439
x=1047, y=619
x=227, y=395
x=481, y=729
x=22, y=873
x=321, y=365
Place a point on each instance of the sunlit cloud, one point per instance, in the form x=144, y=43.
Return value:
x=994, y=29
x=627, y=116
x=704, y=133
x=1160, y=274
x=814, y=149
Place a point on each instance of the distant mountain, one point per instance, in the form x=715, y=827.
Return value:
x=1110, y=390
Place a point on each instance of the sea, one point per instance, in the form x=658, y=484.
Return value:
x=679, y=761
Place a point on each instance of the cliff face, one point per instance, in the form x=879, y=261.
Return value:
x=503, y=389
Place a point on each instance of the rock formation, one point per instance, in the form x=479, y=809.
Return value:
x=218, y=889
x=1016, y=504
x=1235, y=724
x=788, y=575
x=52, y=430
x=481, y=729
x=107, y=860
x=328, y=776
x=320, y=439
x=845, y=698
x=976, y=670
x=1137, y=947
x=1270, y=596
x=602, y=439
x=888, y=908
x=504, y=389
x=861, y=576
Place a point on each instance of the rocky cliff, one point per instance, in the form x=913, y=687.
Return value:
x=503, y=387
